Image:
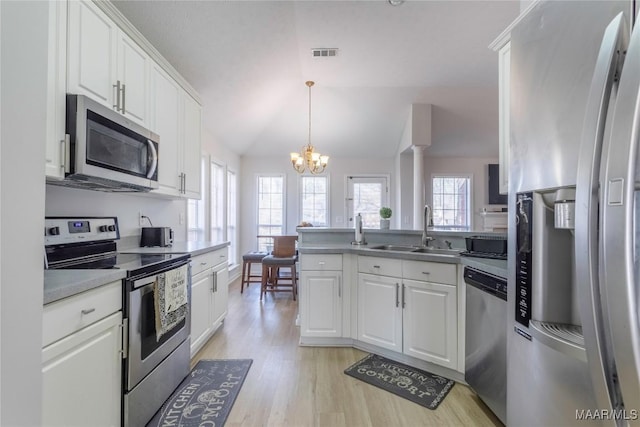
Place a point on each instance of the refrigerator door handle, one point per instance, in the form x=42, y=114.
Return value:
x=618, y=207
x=603, y=86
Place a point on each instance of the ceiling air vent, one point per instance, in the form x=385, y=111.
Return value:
x=324, y=52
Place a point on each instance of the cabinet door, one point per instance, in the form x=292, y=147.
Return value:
x=379, y=311
x=133, y=65
x=430, y=322
x=191, y=147
x=81, y=376
x=165, y=112
x=321, y=303
x=504, y=81
x=201, y=306
x=221, y=295
x=91, y=56
x=56, y=90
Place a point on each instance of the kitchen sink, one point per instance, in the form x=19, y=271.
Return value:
x=415, y=249
x=436, y=251
x=397, y=248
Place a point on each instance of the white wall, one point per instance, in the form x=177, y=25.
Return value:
x=62, y=201
x=338, y=170
x=476, y=167
x=23, y=47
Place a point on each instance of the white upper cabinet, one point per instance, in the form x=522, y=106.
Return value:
x=56, y=90
x=504, y=80
x=165, y=113
x=105, y=64
x=133, y=72
x=110, y=62
x=91, y=66
x=191, y=149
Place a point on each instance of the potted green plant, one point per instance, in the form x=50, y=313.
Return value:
x=385, y=214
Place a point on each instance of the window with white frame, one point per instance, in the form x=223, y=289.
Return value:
x=232, y=230
x=270, y=209
x=314, y=200
x=451, y=196
x=217, y=202
x=196, y=219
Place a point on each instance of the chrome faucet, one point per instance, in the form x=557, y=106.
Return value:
x=427, y=221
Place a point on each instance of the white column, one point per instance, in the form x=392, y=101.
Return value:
x=418, y=186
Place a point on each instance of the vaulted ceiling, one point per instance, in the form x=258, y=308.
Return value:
x=250, y=59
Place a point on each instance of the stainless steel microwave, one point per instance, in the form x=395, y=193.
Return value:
x=106, y=151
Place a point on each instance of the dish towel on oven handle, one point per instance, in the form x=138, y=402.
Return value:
x=171, y=299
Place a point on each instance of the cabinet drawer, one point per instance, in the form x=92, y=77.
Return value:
x=429, y=271
x=208, y=260
x=320, y=262
x=382, y=266
x=66, y=316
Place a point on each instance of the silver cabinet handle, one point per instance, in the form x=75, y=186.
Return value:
x=376, y=266
x=116, y=86
x=87, y=311
x=403, y=301
x=426, y=273
x=397, y=298
x=203, y=263
x=124, y=97
x=66, y=153
x=320, y=262
x=339, y=288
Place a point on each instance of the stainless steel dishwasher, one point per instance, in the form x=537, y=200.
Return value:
x=486, y=339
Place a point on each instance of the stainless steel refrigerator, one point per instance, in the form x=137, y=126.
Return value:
x=574, y=240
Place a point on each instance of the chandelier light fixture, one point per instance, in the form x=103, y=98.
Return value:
x=308, y=159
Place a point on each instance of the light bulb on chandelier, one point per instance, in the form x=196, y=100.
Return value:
x=308, y=159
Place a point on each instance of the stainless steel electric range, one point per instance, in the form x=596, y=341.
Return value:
x=152, y=367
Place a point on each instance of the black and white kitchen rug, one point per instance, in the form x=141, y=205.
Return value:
x=206, y=396
x=421, y=387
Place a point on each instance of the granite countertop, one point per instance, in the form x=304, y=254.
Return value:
x=366, y=250
x=60, y=284
x=492, y=266
x=192, y=248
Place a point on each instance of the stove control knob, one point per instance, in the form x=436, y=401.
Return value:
x=112, y=228
x=54, y=231
x=103, y=228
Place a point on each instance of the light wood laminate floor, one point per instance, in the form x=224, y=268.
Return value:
x=289, y=385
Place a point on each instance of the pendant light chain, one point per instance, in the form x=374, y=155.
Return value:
x=308, y=159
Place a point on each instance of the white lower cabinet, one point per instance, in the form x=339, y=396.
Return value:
x=430, y=322
x=379, y=311
x=321, y=301
x=322, y=296
x=209, y=296
x=414, y=317
x=82, y=371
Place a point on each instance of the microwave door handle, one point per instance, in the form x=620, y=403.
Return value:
x=154, y=161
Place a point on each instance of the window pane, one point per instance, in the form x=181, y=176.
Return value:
x=314, y=200
x=270, y=209
x=451, y=201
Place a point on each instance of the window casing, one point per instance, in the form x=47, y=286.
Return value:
x=451, y=201
x=314, y=200
x=232, y=229
x=270, y=209
x=217, y=202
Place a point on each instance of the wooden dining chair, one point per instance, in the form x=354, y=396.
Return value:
x=283, y=256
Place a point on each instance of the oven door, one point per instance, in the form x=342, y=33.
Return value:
x=145, y=352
